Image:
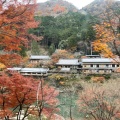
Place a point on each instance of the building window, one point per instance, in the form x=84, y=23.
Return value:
x=113, y=65
x=97, y=65
x=91, y=65
x=107, y=65
x=117, y=65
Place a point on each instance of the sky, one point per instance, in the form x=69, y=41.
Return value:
x=78, y=3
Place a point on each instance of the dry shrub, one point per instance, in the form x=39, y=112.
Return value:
x=98, y=79
x=101, y=101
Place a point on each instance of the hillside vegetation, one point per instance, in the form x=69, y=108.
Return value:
x=99, y=7
x=54, y=8
x=72, y=31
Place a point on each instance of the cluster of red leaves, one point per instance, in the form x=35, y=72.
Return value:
x=10, y=59
x=18, y=91
x=15, y=20
x=15, y=90
x=16, y=17
x=57, y=8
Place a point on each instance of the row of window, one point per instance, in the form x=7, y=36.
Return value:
x=98, y=71
x=112, y=65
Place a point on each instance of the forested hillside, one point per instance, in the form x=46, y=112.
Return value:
x=99, y=7
x=54, y=8
x=72, y=31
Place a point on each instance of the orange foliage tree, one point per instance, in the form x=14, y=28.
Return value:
x=16, y=17
x=58, y=9
x=61, y=54
x=2, y=66
x=18, y=93
x=108, y=32
x=107, y=41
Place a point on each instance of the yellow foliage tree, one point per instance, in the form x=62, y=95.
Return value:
x=2, y=66
x=108, y=32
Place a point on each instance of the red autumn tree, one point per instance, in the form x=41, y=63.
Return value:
x=18, y=93
x=16, y=17
x=61, y=54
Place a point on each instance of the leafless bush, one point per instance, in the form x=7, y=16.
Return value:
x=101, y=101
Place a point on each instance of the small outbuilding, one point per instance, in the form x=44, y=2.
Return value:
x=39, y=58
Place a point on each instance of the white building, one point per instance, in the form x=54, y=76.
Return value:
x=39, y=58
x=72, y=64
x=99, y=65
x=31, y=71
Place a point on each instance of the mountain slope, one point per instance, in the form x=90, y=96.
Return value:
x=98, y=7
x=54, y=8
